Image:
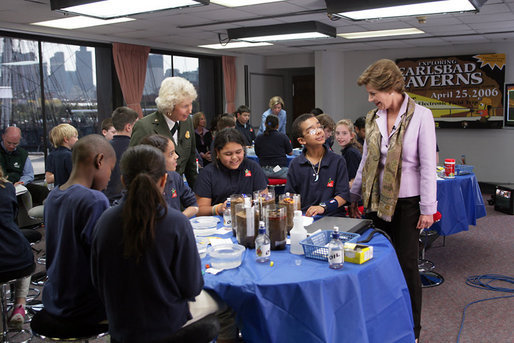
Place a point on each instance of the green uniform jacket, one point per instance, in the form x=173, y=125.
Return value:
x=156, y=124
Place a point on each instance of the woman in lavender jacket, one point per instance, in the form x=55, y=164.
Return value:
x=396, y=179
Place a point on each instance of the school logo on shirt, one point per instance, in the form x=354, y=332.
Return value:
x=330, y=182
x=173, y=193
x=248, y=173
x=187, y=135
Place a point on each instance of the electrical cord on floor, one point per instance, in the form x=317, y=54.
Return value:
x=484, y=282
x=372, y=233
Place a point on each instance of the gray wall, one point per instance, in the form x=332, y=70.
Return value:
x=491, y=151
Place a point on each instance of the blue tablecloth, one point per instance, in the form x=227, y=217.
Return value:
x=460, y=203
x=312, y=303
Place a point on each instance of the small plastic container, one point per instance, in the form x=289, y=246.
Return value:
x=202, y=249
x=226, y=256
x=204, y=226
x=463, y=169
x=316, y=246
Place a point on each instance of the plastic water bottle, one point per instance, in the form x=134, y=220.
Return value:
x=262, y=245
x=227, y=215
x=335, y=251
x=298, y=233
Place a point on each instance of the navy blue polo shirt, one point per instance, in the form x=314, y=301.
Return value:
x=177, y=194
x=220, y=183
x=353, y=157
x=120, y=143
x=332, y=180
x=272, y=149
x=59, y=163
x=247, y=132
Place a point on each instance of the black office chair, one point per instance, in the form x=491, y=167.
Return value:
x=204, y=330
x=50, y=328
x=429, y=278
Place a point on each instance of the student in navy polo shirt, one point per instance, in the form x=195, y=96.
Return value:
x=318, y=174
x=58, y=162
x=71, y=212
x=231, y=173
x=242, y=124
x=176, y=193
x=271, y=147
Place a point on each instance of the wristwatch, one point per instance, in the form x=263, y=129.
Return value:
x=322, y=204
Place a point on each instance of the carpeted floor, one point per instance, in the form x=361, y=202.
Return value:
x=487, y=248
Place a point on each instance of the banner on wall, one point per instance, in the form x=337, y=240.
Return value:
x=462, y=91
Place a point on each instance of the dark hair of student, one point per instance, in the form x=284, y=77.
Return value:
x=141, y=167
x=225, y=121
x=159, y=141
x=122, y=116
x=227, y=135
x=317, y=111
x=297, y=125
x=271, y=124
x=242, y=109
x=360, y=122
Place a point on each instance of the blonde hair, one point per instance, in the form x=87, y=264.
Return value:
x=2, y=178
x=174, y=90
x=383, y=75
x=348, y=123
x=60, y=132
x=276, y=100
x=196, y=119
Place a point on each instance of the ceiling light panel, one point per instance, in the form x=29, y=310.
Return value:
x=240, y=3
x=108, y=9
x=380, y=33
x=79, y=22
x=234, y=45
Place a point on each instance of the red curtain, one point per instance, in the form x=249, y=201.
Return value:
x=229, y=76
x=130, y=62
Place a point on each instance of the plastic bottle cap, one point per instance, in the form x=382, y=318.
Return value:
x=336, y=229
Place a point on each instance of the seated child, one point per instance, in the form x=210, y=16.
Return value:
x=272, y=147
x=345, y=136
x=70, y=214
x=58, y=162
x=15, y=252
x=156, y=264
x=176, y=193
x=108, y=130
x=123, y=119
x=230, y=173
x=318, y=174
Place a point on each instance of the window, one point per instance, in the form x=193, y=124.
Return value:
x=69, y=85
x=159, y=67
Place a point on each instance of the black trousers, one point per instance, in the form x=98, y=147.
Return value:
x=405, y=236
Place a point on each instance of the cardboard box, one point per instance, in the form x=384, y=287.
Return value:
x=357, y=253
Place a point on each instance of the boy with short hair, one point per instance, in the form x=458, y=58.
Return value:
x=70, y=214
x=58, y=163
x=123, y=119
x=318, y=174
x=242, y=124
x=108, y=130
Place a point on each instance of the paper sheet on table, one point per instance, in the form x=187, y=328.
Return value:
x=218, y=241
x=20, y=189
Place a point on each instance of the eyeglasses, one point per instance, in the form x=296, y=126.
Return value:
x=315, y=130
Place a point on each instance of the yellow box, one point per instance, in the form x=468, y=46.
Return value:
x=357, y=253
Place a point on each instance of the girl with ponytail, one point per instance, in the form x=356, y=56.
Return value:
x=156, y=258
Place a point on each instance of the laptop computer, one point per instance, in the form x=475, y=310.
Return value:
x=345, y=224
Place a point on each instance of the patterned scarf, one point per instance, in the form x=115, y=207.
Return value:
x=383, y=201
